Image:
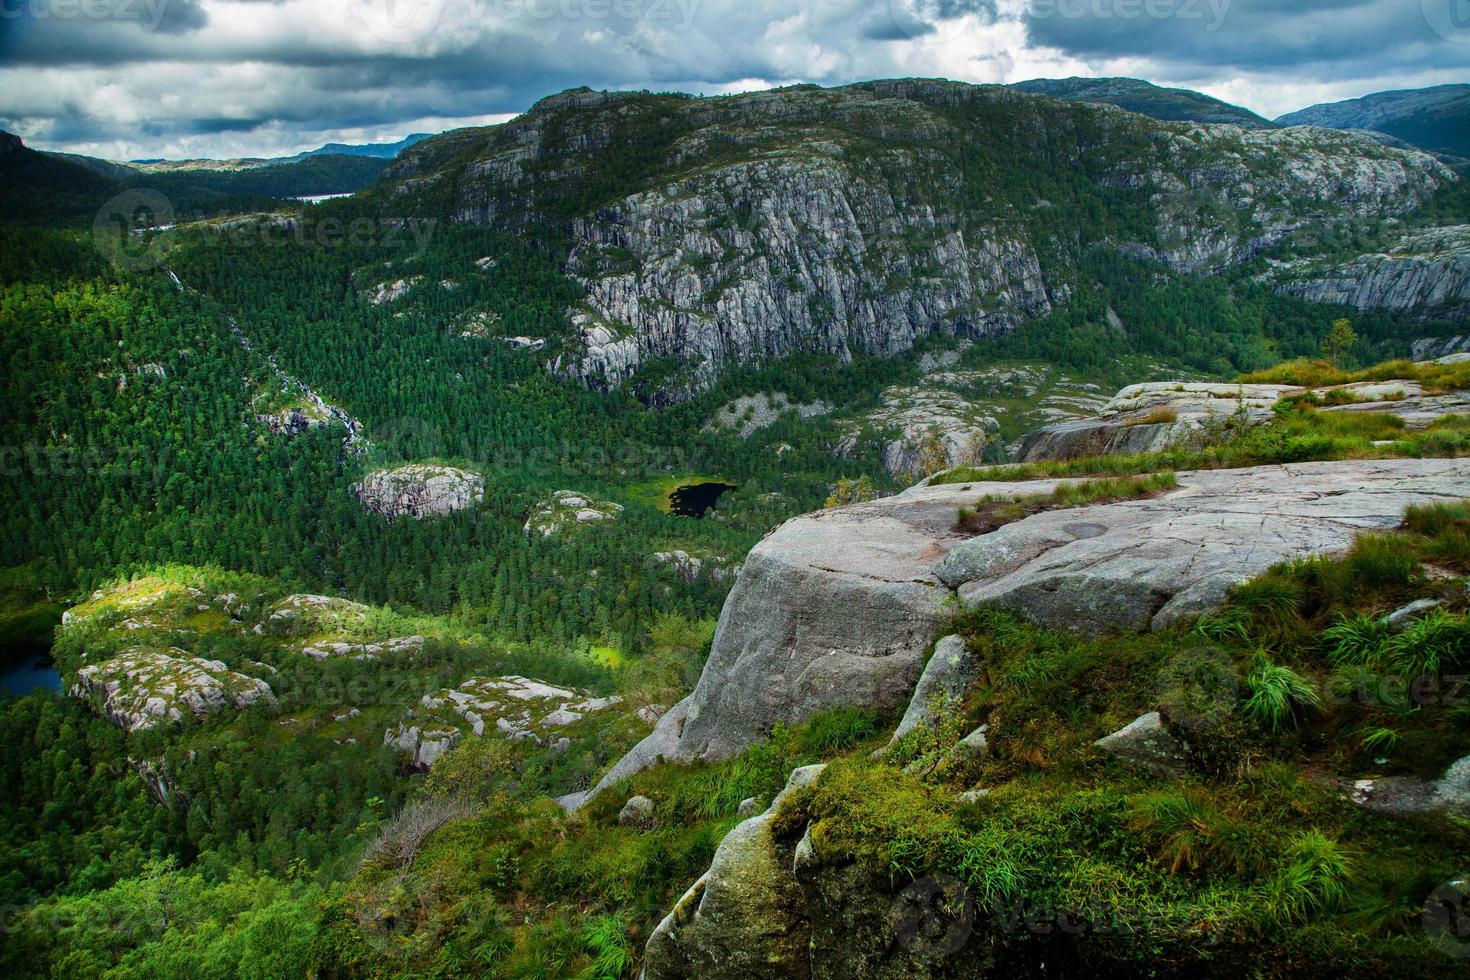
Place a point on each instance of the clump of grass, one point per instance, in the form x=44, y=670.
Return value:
x=1112, y=488
x=1446, y=528
x=1313, y=879
x=992, y=512
x=1159, y=415
x=1318, y=373
x=605, y=938
x=1437, y=643
x=836, y=730
x=1277, y=694
x=1357, y=640
x=1381, y=561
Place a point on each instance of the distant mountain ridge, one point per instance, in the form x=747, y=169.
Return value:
x=1435, y=119
x=1146, y=98
x=40, y=185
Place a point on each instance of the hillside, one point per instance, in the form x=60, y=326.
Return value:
x=707, y=233
x=1435, y=119
x=1136, y=95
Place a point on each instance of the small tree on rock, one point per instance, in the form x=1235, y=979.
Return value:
x=1339, y=340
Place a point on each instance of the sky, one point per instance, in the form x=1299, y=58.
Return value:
x=130, y=79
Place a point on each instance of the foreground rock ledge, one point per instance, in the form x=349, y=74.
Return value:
x=839, y=607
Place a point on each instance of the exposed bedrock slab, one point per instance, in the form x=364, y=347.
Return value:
x=840, y=607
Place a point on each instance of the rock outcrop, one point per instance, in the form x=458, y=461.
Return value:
x=140, y=689
x=1164, y=415
x=420, y=490
x=948, y=675
x=1147, y=744
x=304, y=613
x=567, y=510
x=837, y=608
x=743, y=917
x=394, y=646
x=512, y=707
x=1428, y=270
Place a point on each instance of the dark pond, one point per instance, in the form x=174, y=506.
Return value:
x=25, y=670
x=695, y=499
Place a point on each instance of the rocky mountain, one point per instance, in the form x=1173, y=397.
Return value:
x=710, y=232
x=383, y=151
x=1435, y=119
x=1136, y=95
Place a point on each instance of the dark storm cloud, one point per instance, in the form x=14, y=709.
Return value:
x=1276, y=35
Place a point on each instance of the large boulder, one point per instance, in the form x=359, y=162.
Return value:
x=838, y=608
x=743, y=918
x=420, y=490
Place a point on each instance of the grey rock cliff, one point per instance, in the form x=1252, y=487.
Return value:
x=1428, y=271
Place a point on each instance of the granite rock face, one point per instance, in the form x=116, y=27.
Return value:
x=420, y=490
x=140, y=689
x=837, y=608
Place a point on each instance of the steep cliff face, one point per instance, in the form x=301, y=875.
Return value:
x=716, y=231
x=1428, y=270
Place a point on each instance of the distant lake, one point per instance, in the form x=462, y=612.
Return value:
x=318, y=198
x=695, y=499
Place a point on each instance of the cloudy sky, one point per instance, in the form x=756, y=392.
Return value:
x=126, y=79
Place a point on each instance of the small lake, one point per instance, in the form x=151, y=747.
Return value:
x=24, y=672
x=695, y=499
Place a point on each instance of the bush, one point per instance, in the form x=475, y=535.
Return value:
x=405, y=834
